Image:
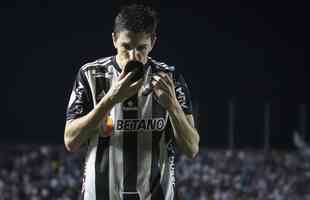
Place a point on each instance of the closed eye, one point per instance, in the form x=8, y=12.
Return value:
x=141, y=48
x=126, y=46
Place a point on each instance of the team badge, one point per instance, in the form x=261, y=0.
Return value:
x=129, y=105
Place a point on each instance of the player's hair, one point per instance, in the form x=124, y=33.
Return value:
x=136, y=18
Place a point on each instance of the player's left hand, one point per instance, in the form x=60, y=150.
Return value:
x=164, y=89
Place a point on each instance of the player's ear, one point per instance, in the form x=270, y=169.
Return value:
x=114, y=38
x=154, y=38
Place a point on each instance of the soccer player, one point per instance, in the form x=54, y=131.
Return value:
x=132, y=139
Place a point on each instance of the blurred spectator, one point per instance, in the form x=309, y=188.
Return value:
x=46, y=172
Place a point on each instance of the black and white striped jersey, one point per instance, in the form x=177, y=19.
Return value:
x=138, y=160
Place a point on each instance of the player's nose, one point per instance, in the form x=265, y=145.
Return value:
x=133, y=54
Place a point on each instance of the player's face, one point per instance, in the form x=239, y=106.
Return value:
x=132, y=46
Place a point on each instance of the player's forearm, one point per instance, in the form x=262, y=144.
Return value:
x=78, y=131
x=187, y=137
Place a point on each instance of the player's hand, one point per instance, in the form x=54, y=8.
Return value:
x=124, y=88
x=164, y=89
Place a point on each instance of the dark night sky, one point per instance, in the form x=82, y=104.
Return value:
x=254, y=51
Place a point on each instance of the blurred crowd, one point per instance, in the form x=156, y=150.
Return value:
x=39, y=172
x=244, y=174
x=49, y=172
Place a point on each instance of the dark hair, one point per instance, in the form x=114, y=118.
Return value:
x=136, y=18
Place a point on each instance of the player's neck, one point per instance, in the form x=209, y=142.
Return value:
x=119, y=62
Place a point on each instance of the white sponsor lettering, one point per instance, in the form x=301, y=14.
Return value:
x=171, y=161
x=172, y=170
x=181, y=97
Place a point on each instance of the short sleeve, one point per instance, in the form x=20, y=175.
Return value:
x=80, y=102
x=183, y=94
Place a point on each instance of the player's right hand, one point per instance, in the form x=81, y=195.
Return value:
x=124, y=88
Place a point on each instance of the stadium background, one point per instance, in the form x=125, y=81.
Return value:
x=250, y=53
